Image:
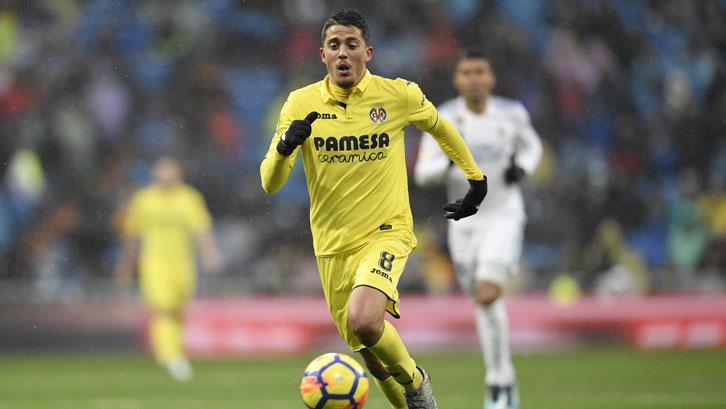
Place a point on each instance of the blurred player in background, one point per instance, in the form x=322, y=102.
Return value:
x=486, y=248
x=161, y=224
x=360, y=215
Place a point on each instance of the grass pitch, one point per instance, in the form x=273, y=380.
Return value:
x=582, y=379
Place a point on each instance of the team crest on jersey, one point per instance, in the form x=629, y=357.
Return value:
x=377, y=114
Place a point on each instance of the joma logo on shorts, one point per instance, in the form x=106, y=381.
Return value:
x=382, y=274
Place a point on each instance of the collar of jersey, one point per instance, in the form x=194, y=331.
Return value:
x=461, y=102
x=362, y=85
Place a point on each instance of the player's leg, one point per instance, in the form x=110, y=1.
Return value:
x=373, y=294
x=164, y=332
x=365, y=314
x=483, y=262
x=337, y=288
x=493, y=330
x=167, y=341
x=388, y=347
x=165, y=320
x=366, y=310
x=392, y=390
x=497, y=257
x=166, y=298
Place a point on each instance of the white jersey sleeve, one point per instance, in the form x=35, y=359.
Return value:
x=528, y=147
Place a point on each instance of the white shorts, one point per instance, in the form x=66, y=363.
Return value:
x=474, y=250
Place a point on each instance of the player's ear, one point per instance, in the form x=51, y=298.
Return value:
x=456, y=80
x=369, y=53
x=322, y=54
x=493, y=79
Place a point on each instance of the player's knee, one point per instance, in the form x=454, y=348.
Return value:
x=366, y=309
x=486, y=293
x=367, y=328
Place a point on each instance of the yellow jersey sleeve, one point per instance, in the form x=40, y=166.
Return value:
x=453, y=145
x=275, y=167
x=421, y=112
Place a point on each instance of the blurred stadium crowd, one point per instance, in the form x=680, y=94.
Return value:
x=629, y=98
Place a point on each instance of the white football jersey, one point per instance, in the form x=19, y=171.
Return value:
x=502, y=131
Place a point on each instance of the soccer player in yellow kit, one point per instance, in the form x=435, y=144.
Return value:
x=162, y=221
x=360, y=215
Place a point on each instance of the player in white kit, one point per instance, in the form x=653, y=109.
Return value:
x=486, y=247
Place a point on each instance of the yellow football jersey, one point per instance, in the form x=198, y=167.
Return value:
x=354, y=159
x=166, y=221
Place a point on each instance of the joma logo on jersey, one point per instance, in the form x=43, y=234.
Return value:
x=327, y=116
x=377, y=114
x=350, y=143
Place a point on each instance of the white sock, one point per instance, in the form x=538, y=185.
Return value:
x=493, y=328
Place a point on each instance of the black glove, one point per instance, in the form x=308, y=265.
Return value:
x=296, y=133
x=514, y=173
x=470, y=203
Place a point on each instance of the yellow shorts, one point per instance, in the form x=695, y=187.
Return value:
x=167, y=290
x=378, y=264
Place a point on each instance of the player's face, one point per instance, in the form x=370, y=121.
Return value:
x=345, y=55
x=167, y=172
x=474, y=78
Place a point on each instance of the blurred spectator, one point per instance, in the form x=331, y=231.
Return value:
x=626, y=95
x=687, y=232
x=611, y=266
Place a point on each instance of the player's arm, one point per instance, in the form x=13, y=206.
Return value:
x=200, y=222
x=432, y=164
x=129, y=254
x=453, y=145
x=209, y=252
x=290, y=134
x=124, y=271
x=424, y=115
x=528, y=149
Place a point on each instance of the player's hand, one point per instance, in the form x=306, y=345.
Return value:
x=213, y=262
x=123, y=276
x=470, y=203
x=296, y=133
x=514, y=173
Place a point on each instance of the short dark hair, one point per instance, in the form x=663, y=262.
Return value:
x=351, y=18
x=472, y=53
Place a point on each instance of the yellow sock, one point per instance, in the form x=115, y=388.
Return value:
x=393, y=391
x=166, y=337
x=395, y=358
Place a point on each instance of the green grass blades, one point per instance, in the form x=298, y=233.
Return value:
x=583, y=379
